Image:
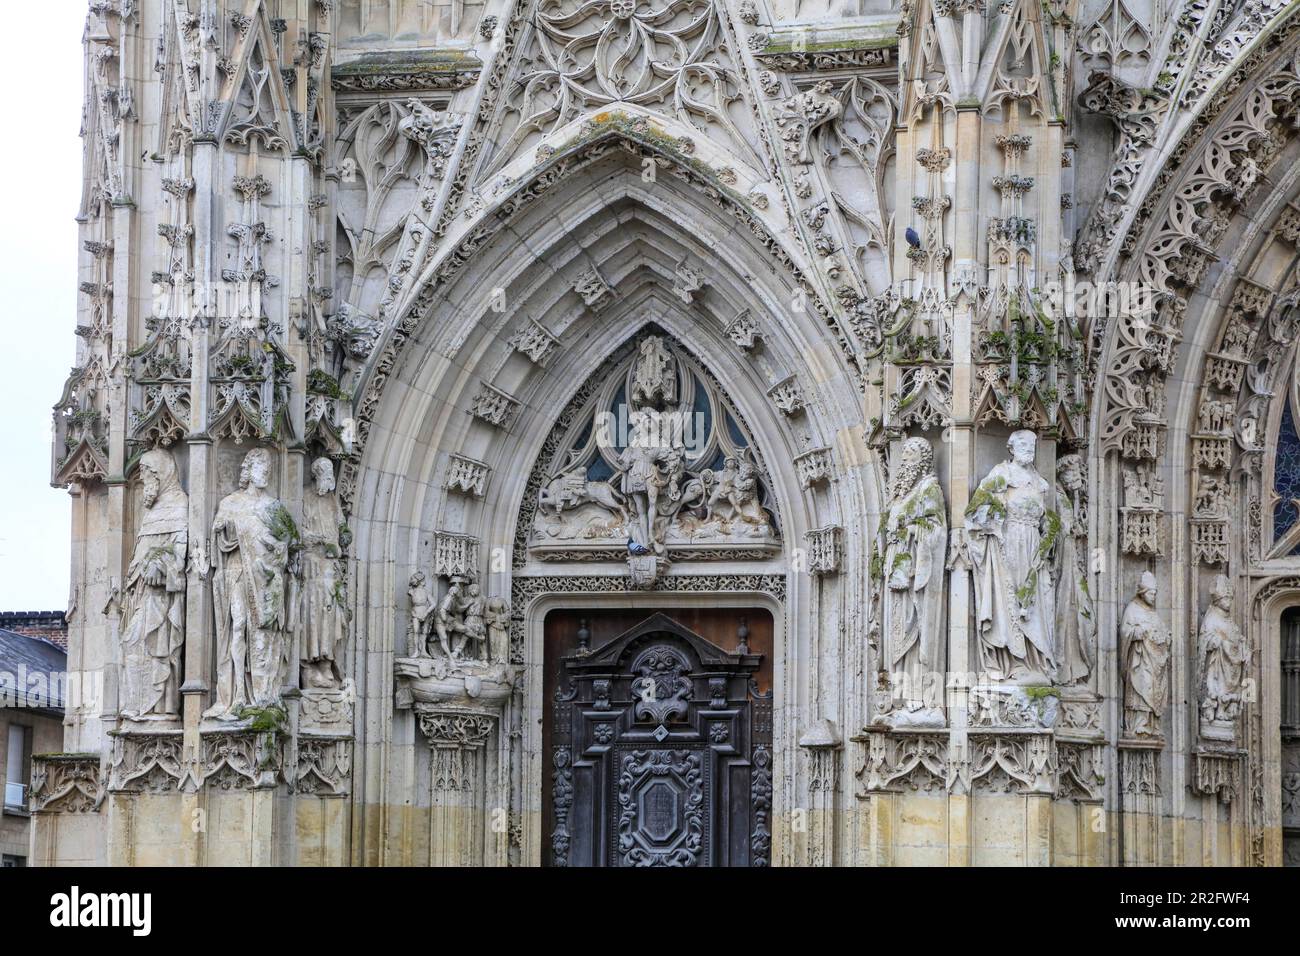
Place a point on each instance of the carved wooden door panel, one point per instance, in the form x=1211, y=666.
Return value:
x=661, y=754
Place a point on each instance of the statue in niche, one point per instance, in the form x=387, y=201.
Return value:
x=153, y=609
x=417, y=635
x=1011, y=534
x=458, y=621
x=913, y=543
x=1144, y=644
x=1076, y=628
x=1225, y=657
x=324, y=606
x=654, y=380
x=252, y=592
x=497, y=616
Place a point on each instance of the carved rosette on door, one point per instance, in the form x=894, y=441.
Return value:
x=661, y=754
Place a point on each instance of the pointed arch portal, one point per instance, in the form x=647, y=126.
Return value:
x=500, y=419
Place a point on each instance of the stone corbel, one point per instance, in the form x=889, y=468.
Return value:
x=1217, y=773
x=66, y=783
x=898, y=760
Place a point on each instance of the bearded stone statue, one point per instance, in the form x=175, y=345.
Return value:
x=153, y=607
x=913, y=543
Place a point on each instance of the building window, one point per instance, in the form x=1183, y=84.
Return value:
x=1286, y=476
x=18, y=759
x=9, y=860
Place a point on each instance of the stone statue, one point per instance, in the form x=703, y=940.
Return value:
x=252, y=592
x=1076, y=627
x=153, y=606
x=1225, y=657
x=497, y=617
x=417, y=635
x=913, y=543
x=324, y=604
x=472, y=628
x=1144, y=643
x=641, y=481
x=1012, y=533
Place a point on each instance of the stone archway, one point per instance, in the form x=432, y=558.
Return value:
x=462, y=400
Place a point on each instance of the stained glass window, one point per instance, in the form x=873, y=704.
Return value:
x=1286, y=475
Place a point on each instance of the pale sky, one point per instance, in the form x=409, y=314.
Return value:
x=40, y=168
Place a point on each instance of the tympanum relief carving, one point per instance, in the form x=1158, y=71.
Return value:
x=658, y=463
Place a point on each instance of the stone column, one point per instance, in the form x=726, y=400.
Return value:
x=458, y=744
x=459, y=707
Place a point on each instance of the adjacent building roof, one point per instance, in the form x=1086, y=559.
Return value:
x=49, y=625
x=33, y=672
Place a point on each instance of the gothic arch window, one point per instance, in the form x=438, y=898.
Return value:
x=1286, y=474
x=1284, y=470
x=657, y=459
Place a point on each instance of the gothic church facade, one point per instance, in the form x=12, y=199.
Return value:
x=684, y=432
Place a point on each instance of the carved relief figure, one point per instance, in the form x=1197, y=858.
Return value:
x=1076, y=628
x=913, y=542
x=654, y=382
x=324, y=605
x=458, y=620
x=1224, y=656
x=641, y=482
x=252, y=535
x=733, y=492
x=497, y=617
x=153, y=605
x=417, y=635
x=1144, y=644
x=1012, y=533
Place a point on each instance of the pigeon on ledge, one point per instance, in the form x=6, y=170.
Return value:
x=913, y=239
x=638, y=550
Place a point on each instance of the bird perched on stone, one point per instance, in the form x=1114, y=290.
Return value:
x=913, y=239
x=638, y=550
